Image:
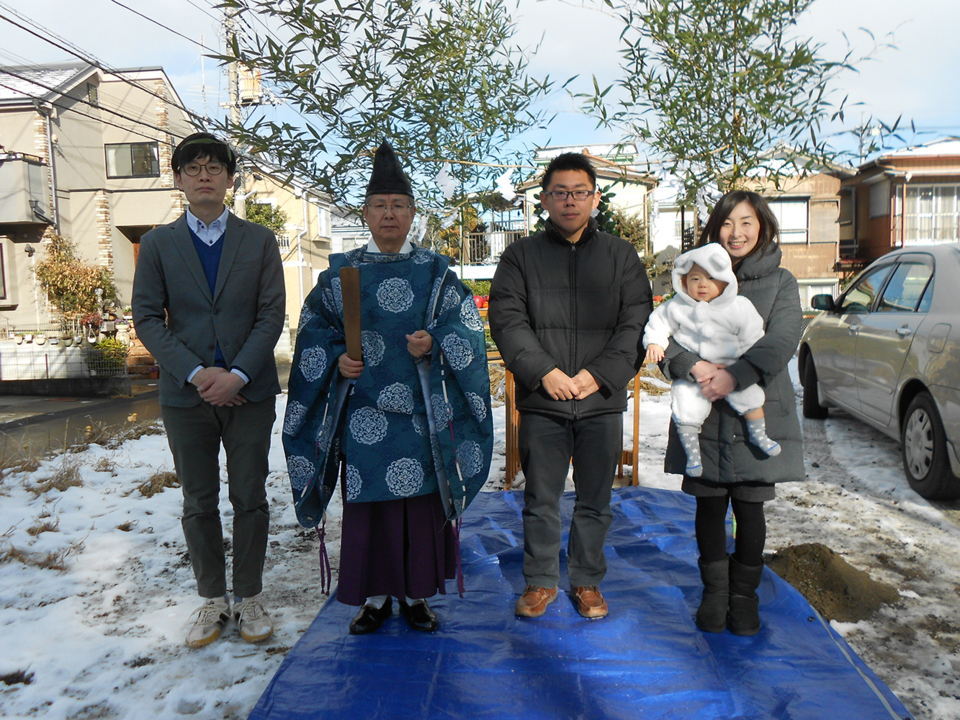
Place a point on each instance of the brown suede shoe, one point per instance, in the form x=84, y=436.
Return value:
x=533, y=603
x=590, y=602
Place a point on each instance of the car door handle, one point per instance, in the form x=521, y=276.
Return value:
x=904, y=331
x=853, y=329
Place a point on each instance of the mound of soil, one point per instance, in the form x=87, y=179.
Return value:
x=836, y=589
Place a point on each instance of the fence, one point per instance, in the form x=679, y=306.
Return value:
x=488, y=246
x=57, y=358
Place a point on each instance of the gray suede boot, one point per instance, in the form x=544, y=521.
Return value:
x=690, y=439
x=744, y=604
x=712, y=613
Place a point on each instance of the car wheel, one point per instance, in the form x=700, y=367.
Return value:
x=924, y=448
x=811, y=397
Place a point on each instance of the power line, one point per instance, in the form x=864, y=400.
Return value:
x=66, y=46
x=160, y=24
x=215, y=17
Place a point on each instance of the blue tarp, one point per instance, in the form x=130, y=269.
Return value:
x=646, y=660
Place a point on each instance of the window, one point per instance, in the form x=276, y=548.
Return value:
x=860, y=297
x=932, y=214
x=3, y=274
x=927, y=298
x=93, y=94
x=126, y=160
x=905, y=288
x=880, y=199
x=792, y=218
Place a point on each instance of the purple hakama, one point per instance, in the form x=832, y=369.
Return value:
x=403, y=548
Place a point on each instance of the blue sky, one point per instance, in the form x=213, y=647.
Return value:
x=918, y=79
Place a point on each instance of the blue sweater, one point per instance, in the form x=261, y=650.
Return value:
x=210, y=260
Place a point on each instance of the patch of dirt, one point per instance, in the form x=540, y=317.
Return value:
x=17, y=678
x=158, y=482
x=835, y=588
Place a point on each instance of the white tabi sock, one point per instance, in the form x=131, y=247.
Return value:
x=375, y=601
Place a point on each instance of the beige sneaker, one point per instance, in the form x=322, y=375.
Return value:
x=210, y=619
x=254, y=622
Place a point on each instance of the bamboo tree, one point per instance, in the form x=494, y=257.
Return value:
x=712, y=85
x=439, y=79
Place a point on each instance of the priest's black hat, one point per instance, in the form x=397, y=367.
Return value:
x=388, y=177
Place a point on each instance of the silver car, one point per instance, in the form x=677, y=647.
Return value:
x=887, y=351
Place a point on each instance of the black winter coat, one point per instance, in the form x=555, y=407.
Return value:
x=556, y=304
x=727, y=456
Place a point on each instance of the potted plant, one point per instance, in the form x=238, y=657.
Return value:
x=28, y=337
x=19, y=338
x=40, y=339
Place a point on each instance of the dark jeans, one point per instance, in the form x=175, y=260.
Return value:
x=194, y=435
x=546, y=445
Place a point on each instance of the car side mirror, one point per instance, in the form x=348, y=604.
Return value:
x=822, y=302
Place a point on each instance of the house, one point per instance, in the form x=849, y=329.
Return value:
x=905, y=197
x=813, y=218
x=87, y=154
x=89, y=158
x=306, y=239
x=807, y=202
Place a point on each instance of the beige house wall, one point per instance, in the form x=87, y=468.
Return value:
x=817, y=259
x=305, y=245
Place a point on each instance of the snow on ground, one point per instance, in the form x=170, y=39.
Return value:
x=102, y=637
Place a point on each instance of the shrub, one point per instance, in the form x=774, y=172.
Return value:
x=70, y=283
x=106, y=357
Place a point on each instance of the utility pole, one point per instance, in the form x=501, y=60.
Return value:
x=233, y=83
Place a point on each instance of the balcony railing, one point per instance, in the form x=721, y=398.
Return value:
x=486, y=247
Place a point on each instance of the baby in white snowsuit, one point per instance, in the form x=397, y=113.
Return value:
x=708, y=317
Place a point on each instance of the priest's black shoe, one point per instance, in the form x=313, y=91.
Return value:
x=419, y=616
x=369, y=619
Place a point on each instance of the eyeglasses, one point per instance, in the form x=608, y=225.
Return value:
x=395, y=208
x=564, y=194
x=193, y=169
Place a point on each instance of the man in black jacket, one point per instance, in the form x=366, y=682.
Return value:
x=567, y=308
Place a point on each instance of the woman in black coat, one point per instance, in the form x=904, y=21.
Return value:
x=734, y=470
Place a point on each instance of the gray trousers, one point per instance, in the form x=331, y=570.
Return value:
x=546, y=445
x=195, y=435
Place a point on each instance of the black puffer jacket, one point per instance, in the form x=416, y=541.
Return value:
x=555, y=304
x=728, y=457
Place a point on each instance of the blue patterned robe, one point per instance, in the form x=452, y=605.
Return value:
x=404, y=427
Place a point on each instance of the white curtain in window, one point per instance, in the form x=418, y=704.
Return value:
x=932, y=214
x=792, y=217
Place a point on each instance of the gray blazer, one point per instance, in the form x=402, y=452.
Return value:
x=180, y=323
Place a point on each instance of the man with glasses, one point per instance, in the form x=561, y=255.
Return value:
x=209, y=304
x=567, y=309
x=407, y=429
